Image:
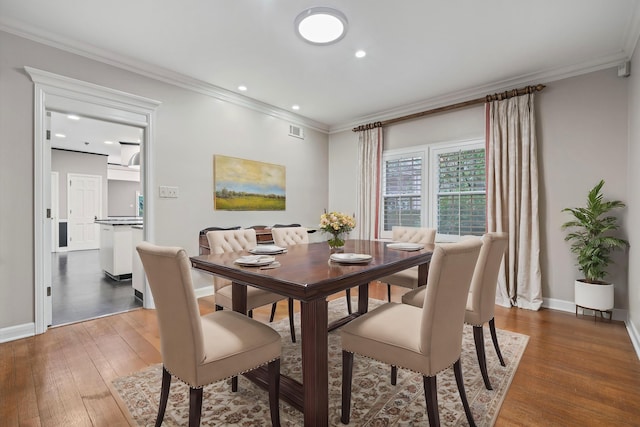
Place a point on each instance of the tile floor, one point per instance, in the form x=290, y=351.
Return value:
x=82, y=291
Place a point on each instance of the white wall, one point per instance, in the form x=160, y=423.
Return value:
x=582, y=129
x=189, y=129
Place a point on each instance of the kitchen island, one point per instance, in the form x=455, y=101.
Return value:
x=116, y=246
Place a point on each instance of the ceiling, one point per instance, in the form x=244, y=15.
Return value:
x=89, y=135
x=420, y=53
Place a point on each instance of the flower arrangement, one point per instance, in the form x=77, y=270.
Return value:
x=337, y=224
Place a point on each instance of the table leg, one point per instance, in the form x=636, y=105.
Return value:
x=363, y=298
x=315, y=363
x=239, y=297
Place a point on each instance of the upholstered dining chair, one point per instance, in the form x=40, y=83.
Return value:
x=426, y=340
x=287, y=236
x=242, y=240
x=408, y=278
x=481, y=299
x=203, y=350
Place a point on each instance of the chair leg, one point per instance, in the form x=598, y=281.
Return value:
x=494, y=338
x=394, y=375
x=348, y=296
x=482, y=360
x=457, y=370
x=234, y=384
x=431, y=396
x=291, y=325
x=250, y=313
x=195, y=406
x=347, y=371
x=273, y=311
x=164, y=395
x=274, y=392
x=388, y=292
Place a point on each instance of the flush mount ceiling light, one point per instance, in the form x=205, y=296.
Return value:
x=321, y=25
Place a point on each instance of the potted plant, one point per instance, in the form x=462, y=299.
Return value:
x=592, y=242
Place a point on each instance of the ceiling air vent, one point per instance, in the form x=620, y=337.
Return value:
x=296, y=131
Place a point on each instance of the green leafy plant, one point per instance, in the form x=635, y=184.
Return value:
x=590, y=237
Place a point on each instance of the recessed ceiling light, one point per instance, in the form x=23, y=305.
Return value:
x=60, y=135
x=242, y=88
x=73, y=117
x=361, y=54
x=295, y=107
x=321, y=25
x=108, y=142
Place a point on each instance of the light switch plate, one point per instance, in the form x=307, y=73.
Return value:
x=167, y=192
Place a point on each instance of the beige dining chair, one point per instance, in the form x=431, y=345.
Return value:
x=426, y=340
x=200, y=350
x=481, y=299
x=408, y=278
x=236, y=241
x=287, y=236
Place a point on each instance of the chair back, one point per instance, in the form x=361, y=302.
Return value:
x=168, y=271
x=223, y=241
x=422, y=235
x=482, y=294
x=444, y=304
x=290, y=236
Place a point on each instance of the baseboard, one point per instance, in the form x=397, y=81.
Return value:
x=634, y=335
x=204, y=291
x=16, y=332
x=570, y=307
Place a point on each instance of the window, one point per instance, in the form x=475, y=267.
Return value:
x=402, y=191
x=455, y=200
x=460, y=190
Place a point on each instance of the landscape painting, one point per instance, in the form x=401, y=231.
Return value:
x=248, y=185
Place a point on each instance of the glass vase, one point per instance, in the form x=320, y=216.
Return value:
x=336, y=242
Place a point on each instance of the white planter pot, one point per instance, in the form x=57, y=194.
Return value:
x=594, y=296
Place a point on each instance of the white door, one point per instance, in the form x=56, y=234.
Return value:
x=84, y=195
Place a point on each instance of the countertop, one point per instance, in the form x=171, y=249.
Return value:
x=120, y=221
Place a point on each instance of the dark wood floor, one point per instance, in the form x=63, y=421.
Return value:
x=82, y=291
x=574, y=372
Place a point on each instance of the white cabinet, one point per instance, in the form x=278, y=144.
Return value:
x=116, y=250
x=137, y=278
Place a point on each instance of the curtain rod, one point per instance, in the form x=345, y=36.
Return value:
x=488, y=98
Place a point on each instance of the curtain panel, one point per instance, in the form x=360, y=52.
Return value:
x=368, y=192
x=512, y=198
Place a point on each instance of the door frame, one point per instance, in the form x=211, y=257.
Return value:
x=67, y=95
x=55, y=214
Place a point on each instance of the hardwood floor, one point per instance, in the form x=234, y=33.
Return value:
x=82, y=291
x=574, y=371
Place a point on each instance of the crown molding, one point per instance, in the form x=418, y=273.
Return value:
x=544, y=77
x=156, y=73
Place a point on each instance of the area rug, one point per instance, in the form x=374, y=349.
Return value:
x=375, y=402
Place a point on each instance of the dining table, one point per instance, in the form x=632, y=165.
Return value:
x=306, y=272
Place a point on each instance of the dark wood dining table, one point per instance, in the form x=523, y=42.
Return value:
x=307, y=274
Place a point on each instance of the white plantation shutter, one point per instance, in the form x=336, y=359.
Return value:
x=402, y=191
x=461, y=192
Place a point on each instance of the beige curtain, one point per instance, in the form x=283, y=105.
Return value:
x=368, y=193
x=512, y=198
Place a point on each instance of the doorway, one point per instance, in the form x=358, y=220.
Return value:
x=60, y=93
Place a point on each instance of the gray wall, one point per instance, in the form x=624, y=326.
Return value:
x=190, y=128
x=65, y=162
x=582, y=129
x=122, y=197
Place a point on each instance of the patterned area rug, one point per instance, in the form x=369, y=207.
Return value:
x=375, y=402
